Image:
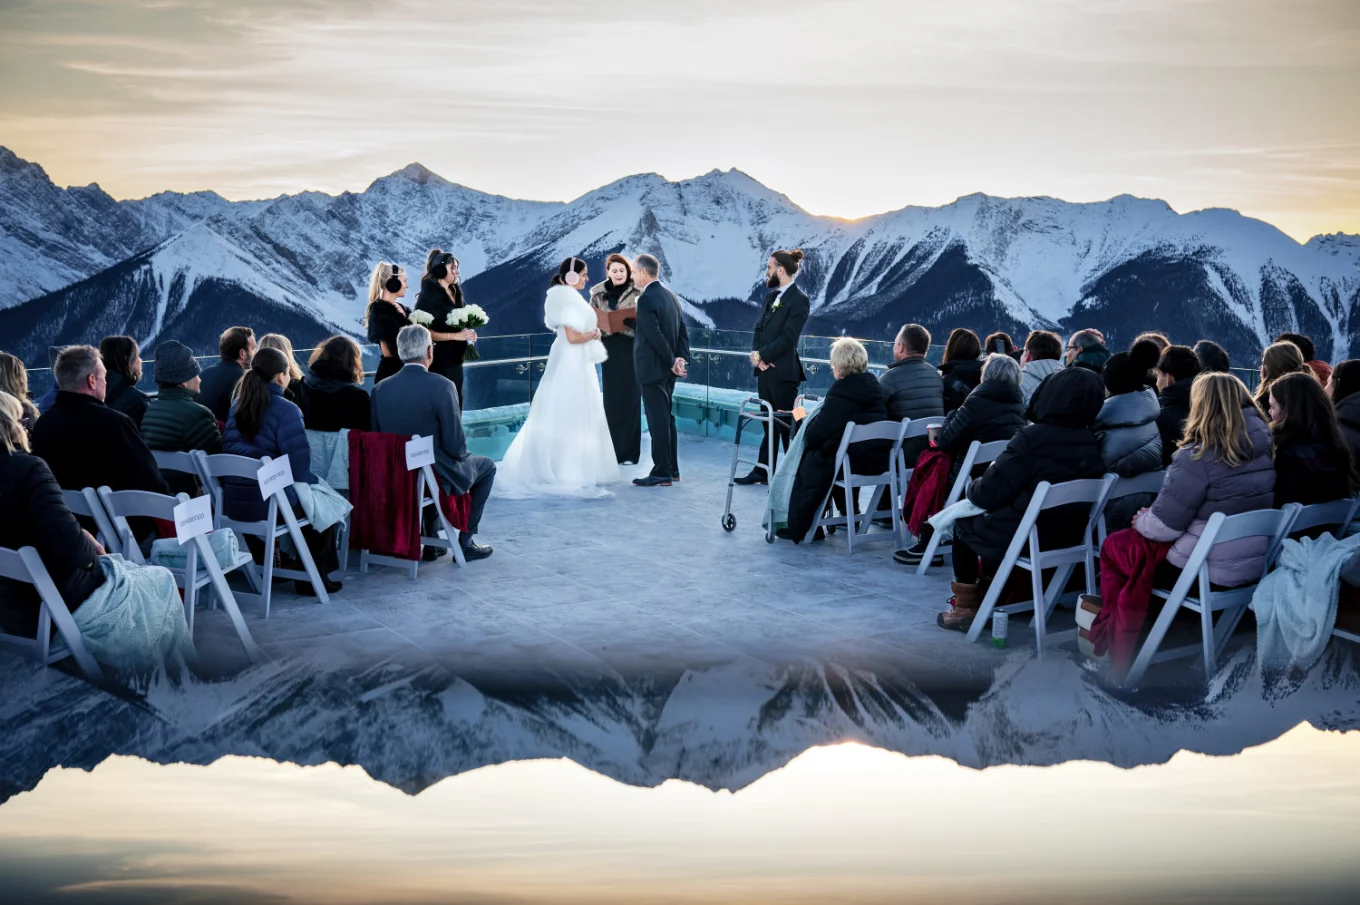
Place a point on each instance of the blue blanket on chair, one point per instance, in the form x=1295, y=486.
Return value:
x=135, y=619
x=1295, y=604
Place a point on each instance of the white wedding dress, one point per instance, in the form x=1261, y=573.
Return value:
x=564, y=448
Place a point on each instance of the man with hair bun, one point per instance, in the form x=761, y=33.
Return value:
x=774, y=349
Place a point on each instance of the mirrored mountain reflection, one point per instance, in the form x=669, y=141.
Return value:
x=720, y=725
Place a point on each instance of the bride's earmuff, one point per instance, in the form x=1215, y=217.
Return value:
x=393, y=283
x=571, y=277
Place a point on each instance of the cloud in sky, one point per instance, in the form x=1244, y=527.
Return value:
x=849, y=106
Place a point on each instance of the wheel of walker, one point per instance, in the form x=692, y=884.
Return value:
x=729, y=522
x=769, y=537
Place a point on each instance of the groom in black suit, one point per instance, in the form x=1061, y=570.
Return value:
x=659, y=355
x=774, y=350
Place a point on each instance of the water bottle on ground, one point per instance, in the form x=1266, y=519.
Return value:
x=999, y=628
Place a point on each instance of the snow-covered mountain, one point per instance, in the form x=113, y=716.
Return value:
x=300, y=263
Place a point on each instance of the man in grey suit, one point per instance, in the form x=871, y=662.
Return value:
x=660, y=350
x=414, y=401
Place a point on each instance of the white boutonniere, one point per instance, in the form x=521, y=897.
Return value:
x=777, y=302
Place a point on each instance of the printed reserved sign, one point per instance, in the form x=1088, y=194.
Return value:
x=193, y=518
x=274, y=476
x=419, y=453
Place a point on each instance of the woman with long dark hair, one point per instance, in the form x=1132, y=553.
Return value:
x=961, y=367
x=1344, y=389
x=385, y=315
x=263, y=423
x=622, y=394
x=441, y=293
x=1312, y=461
x=123, y=361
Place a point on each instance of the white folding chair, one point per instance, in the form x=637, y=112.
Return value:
x=270, y=529
x=182, y=462
x=201, y=568
x=1088, y=491
x=86, y=503
x=911, y=430
x=978, y=454
x=25, y=565
x=855, y=522
x=427, y=494
x=1230, y=603
x=1333, y=517
x=1148, y=482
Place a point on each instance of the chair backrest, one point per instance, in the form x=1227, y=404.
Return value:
x=1148, y=482
x=168, y=460
x=914, y=429
x=1271, y=524
x=879, y=430
x=224, y=465
x=1090, y=491
x=1336, y=514
x=26, y=565
x=122, y=505
x=86, y=503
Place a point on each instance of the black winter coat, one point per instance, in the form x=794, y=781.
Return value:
x=1310, y=470
x=124, y=397
x=1175, y=411
x=914, y=389
x=87, y=444
x=435, y=300
x=857, y=399
x=1348, y=416
x=993, y=411
x=1060, y=446
x=218, y=382
x=330, y=402
x=33, y=514
x=960, y=378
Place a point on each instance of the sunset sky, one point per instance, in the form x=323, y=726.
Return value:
x=849, y=107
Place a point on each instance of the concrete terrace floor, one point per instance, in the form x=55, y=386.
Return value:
x=643, y=580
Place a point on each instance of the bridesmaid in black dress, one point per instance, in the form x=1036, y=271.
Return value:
x=386, y=316
x=440, y=294
x=622, y=394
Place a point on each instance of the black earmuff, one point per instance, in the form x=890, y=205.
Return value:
x=393, y=283
x=441, y=266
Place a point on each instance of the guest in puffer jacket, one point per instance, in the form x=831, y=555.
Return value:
x=263, y=423
x=914, y=387
x=1176, y=372
x=994, y=411
x=1060, y=446
x=961, y=367
x=1344, y=388
x=1313, y=464
x=1042, y=357
x=1130, y=443
x=1223, y=465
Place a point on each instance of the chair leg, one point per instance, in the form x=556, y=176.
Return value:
x=1036, y=584
x=224, y=594
x=1153, y=642
x=1206, y=627
x=268, y=591
x=344, y=547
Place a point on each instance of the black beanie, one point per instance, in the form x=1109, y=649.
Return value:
x=1126, y=372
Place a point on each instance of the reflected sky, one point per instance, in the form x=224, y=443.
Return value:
x=844, y=823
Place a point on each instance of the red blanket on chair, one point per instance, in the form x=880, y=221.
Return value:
x=927, y=489
x=1128, y=562
x=383, y=493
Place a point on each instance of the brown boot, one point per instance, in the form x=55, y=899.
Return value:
x=967, y=598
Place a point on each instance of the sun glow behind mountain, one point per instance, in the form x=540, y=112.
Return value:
x=852, y=108
x=847, y=823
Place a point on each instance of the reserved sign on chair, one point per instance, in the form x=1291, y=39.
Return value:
x=274, y=476
x=193, y=518
x=419, y=453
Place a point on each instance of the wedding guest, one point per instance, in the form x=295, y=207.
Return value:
x=1042, y=357
x=332, y=396
x=415, y=401
x=1344, y=388
x=622, y=393
x=48, y=398
x=1309, y=351
x=855, y=397
x=1086, y=349
x=386, y=316
x=1176, y=372
x=263, y=423
x=123, y=362
x=1313, y=463
x=1000, y=343
x=1278, y=360
x=285, y=345
x=914, y=387
x=174, y=421
x=236, y=348
x=441, y=293
x=84, y=442
x=1162, y=343
x=774, y=351
x=961, y=367
x=14, y=380
x=1212, y=357
x=1130, y=443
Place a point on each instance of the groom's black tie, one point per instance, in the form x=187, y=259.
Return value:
x=769, y=301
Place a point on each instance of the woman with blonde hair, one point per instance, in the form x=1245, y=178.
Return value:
x=283, y=344
x=1279, y=359
x=14, y=381
x=385, y=315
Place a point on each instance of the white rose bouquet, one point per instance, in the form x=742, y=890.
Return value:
x=469, y=317
x=421, y=318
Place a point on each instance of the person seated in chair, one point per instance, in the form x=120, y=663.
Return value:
x=855, y=397
x=332, y=395
x=415, y=401
x=1313, y=464
x=174, y=422
x=1059, y=446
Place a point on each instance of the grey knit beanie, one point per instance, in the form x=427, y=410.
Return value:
x=175, y=364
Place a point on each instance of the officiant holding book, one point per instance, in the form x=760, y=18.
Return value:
x=615, y=302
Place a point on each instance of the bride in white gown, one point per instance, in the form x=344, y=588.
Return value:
x=564, y=448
